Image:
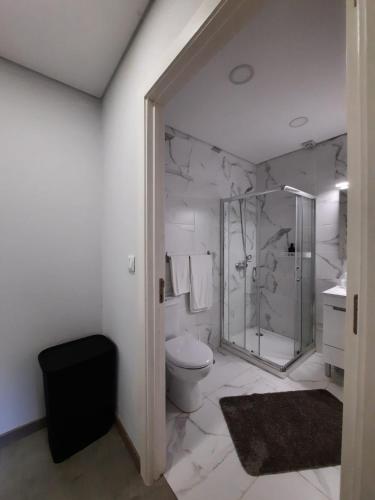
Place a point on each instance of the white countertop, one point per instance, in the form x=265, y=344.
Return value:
x=336, y=290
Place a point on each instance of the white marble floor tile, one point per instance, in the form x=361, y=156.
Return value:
x=210, y=420
x=171, y=413
x=171, y=410
x=176, y=429
x=227, y=481
x=304, y=385
x=279, y=384
x=222, y=373
x=327, y=480
x=312, y=370
x=246, y=383
x=192, y=452
x=290, y=486
x=202, y=461
x=222, y=357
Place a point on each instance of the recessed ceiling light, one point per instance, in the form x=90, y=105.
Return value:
x=241, y=74
x=342, y=185
x=300, y=121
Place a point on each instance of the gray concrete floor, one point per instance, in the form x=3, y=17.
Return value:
x=102, y=471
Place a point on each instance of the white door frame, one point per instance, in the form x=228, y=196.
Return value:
x=358, y=455
x=155, y=442
x=211, y=27
x=215, y=23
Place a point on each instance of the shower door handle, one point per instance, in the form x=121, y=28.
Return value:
x=298, y=273
x=161, y=291
x=254, y=274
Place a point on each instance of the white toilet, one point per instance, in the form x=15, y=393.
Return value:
x=188, y=361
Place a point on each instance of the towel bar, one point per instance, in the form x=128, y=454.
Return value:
x=168, y=257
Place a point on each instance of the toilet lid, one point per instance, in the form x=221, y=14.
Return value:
x=187, y=352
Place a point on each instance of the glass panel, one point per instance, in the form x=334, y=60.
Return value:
x=298, y=276
x=225, y=269
x=251, y=319
x=307, y=282
x=276, y=240
x=234, y=273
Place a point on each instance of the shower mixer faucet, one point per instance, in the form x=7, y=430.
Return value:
x=242, y=265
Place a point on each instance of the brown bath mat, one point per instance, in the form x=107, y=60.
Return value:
x=285, y=431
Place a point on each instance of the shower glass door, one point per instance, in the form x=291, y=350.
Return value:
x=278, y=258
x=307, y=282
x=239, y=257
x=234, y=278
x=268, y=274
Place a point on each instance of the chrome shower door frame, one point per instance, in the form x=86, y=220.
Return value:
x=244, y=353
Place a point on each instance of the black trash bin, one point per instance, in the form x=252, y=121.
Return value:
x=80, y=392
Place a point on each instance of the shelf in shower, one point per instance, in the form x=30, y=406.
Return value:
x=305, y=255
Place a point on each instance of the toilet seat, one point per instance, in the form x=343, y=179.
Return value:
x=187, y=352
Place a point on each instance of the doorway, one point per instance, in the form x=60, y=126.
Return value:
x=221, y=20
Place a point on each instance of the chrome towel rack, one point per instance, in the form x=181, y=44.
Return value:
x=168, y=257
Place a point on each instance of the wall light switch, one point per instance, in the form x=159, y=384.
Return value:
x=131, y=264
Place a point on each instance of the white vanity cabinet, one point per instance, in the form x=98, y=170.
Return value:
x=334, y=308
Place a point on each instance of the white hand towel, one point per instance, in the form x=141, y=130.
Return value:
x=180, y=274
x=200, y=282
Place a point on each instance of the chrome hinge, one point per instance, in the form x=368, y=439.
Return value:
x=355, y=314
x=161, y=290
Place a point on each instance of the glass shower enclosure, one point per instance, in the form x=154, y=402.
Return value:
x=268, y=275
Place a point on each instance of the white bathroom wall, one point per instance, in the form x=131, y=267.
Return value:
x=197, y=177
x=50, y=190
x=314, y=171
x=124, y=191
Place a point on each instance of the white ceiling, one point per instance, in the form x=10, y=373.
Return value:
x=78, y=42
x=297, y=49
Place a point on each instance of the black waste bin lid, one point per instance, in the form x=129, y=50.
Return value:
x=73, y=353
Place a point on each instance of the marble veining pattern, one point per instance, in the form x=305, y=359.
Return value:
x=197, y=176
x=314, y=171
x=202, y=461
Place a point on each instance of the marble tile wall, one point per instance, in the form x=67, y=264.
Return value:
x=197, y=176
x=315, y=171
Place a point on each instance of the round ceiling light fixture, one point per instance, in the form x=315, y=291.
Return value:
x=300, y=121
x=241, y=74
